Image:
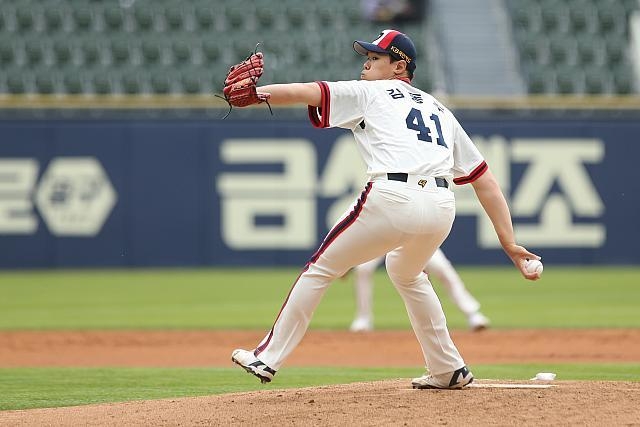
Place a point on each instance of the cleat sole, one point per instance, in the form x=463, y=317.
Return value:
x=431, y=387
x=262, y=379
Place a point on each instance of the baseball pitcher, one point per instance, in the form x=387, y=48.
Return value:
x=414, y=149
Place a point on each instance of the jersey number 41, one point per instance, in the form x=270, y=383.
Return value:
x=416, y=122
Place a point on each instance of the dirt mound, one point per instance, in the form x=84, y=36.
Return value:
x=383, y=403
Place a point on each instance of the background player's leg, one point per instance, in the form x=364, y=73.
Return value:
x=440, y=267
x=363, y=287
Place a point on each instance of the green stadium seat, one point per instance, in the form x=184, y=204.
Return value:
x=296, y=17
x=113, y=18
x=590, y=49
x=531, y=47
x=615, y=49
x=45, y=82
x=143, y=17
x=587, y=42
x=15, y=82
x=62, y=52
x=151, y=51
x=160, y=83
x=236, y=14
x=91, y=51
x=210, y=50
x=611, y=18
x=191, y=81
x=101, y=82
x=72, y=82
x=554, y=17
x=265, y=16
x=562, y=49
x=595, y=81
x=7, y=54
x=568, y=80
x=629, y=5
x=526, y=16
x=131, y=82
x=539, y=79
x=163, y=46
x=205, y=14
x=33, y=51
x=120, y=51
x=352, y=14
x=174, y=17
x=82, y=18
x=24, y=18
x=582, y=20
x=623, y=80
x=181, y=50
x=53, y=18
x=324, y=15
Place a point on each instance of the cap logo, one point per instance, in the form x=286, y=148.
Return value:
x=400, y=53
x=385, y=38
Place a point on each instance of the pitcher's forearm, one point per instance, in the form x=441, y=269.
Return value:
x=496, y=208
x=293, y=93
x=493, y=201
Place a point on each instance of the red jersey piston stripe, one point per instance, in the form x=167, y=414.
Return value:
x=331, y=237
x=264, y=345
x=475, y=174
x=343, y=225
x=319, y=116
x=314, y=116
x=325, y=103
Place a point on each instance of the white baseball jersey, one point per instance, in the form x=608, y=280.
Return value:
x=399, y=128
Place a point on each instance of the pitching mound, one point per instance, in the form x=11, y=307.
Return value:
x=381, y=403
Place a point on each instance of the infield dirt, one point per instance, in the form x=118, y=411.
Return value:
x=390, y=402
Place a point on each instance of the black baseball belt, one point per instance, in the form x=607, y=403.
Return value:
x=404, y=177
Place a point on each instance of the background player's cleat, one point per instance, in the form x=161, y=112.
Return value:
x=478, y=322
x=361, y=324
x=250, y=363
x=451, y=381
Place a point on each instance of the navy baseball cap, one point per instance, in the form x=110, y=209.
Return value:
x=393, y=43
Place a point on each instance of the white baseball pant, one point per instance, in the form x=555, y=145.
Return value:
x=438, y=266
x=408, y=221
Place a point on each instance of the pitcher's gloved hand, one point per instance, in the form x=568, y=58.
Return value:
x=240, y=84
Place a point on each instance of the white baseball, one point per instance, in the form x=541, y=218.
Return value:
x=533, y=266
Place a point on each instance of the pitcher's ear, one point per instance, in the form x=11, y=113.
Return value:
x=400, y=67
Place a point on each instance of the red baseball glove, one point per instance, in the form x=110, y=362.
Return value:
x=240, y=84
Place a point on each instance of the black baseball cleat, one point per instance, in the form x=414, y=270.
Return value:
x=450, y=381
x=250, y=363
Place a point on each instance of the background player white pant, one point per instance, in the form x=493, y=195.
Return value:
x=405, y=221
x=440, y=268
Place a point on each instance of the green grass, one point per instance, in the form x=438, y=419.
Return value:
x=585, y=297
x=25, y=388
x=250, y=299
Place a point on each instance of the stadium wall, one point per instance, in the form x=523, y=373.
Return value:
x=191, y=192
